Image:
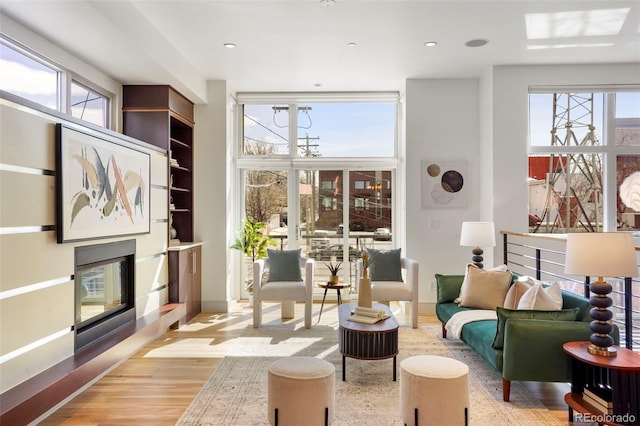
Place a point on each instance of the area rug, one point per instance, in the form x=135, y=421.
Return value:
x=236, y=393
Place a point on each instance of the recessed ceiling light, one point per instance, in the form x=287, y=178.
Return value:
x=430, y=43
x=477, y=42
x=327, y=3
x=230, y=45
x=352, y=44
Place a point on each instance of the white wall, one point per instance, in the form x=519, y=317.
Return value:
x=211, y=211
x=442, y=122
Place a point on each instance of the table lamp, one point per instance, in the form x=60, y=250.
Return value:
x=601, y=254
x=477, y=234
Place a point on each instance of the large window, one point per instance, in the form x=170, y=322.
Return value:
x=320, y=174
x=584, y=166
x=32, y=77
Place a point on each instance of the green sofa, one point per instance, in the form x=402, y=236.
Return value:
x=532, y=347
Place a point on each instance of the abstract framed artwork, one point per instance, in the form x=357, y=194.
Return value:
x=444, y=183
x=102, y=187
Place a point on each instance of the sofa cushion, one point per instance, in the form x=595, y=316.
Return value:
x=479, y=336
x=517, y=289
x=385, y=265
x=572, y=300
x=506, y=314
x=448, y=287
x=484, y=289
x=284, y=265
x=542, y=298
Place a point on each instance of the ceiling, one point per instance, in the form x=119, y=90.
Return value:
x=301, y=45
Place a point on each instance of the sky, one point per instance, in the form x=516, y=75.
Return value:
x=341, y=129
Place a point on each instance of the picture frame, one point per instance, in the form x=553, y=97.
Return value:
x=444, y=183
x=102, y=186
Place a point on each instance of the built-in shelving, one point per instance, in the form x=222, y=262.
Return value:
x=163, y=117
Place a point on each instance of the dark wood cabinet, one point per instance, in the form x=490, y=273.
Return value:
x=185, y=278
x=161, y=116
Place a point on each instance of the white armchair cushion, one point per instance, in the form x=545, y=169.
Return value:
x=390, y=290
x=283, y=290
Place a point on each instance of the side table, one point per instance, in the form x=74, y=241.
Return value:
x=621, y=373
x=327, y=286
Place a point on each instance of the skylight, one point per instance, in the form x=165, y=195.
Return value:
x=579, y=23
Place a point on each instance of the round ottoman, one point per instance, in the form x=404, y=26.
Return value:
x=434, y=390
x=301, y=391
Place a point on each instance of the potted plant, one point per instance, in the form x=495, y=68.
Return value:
x=333, y=270
x=253, y=243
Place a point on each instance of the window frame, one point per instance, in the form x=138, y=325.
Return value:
x=295, y=164
x=65, y=79
x=607, y=148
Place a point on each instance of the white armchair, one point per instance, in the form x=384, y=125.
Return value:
x=398, y=291
x=287, y=292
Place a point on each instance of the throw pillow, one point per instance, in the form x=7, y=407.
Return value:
x=542, y=298
x=284, y=265
x=484, y=289
x=505, y=314
x=517, y=289
x=384, y=265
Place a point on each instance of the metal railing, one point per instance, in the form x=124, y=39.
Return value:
x=543, y=257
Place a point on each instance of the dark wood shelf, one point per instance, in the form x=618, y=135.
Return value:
x=180, y=168
x=179, y=143
x=621, y=373
x=173, y=188
x=576, y=402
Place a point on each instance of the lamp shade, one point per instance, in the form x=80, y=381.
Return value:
x=601, y=254
x=478, y=234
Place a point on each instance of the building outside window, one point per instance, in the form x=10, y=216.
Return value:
x=583, y=150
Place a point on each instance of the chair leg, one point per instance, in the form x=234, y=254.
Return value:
x=307, y=313
x=414, y=316
x=257, y=312
x=444, y=332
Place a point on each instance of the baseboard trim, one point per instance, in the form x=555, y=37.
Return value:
x=38, y=395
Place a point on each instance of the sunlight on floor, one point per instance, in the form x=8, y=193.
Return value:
x=193, y=348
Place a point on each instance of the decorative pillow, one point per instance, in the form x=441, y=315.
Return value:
x=484, y=289
x=505, y=314
x=517, y=289
x=284, y=265
x=384, y=265
x=542, y=298
x=448, y=287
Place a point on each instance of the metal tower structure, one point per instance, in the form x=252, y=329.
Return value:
x=574, y=182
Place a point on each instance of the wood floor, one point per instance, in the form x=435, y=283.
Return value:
x=157, y=384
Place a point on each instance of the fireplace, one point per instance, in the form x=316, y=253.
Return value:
x=104, y=290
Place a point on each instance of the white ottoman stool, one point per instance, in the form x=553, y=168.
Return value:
x=301, y=391
x=434, y=390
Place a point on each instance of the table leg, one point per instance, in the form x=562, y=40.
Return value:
x=394, y=368
x=344, y=368
x=339, y=297
x=322, y=306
